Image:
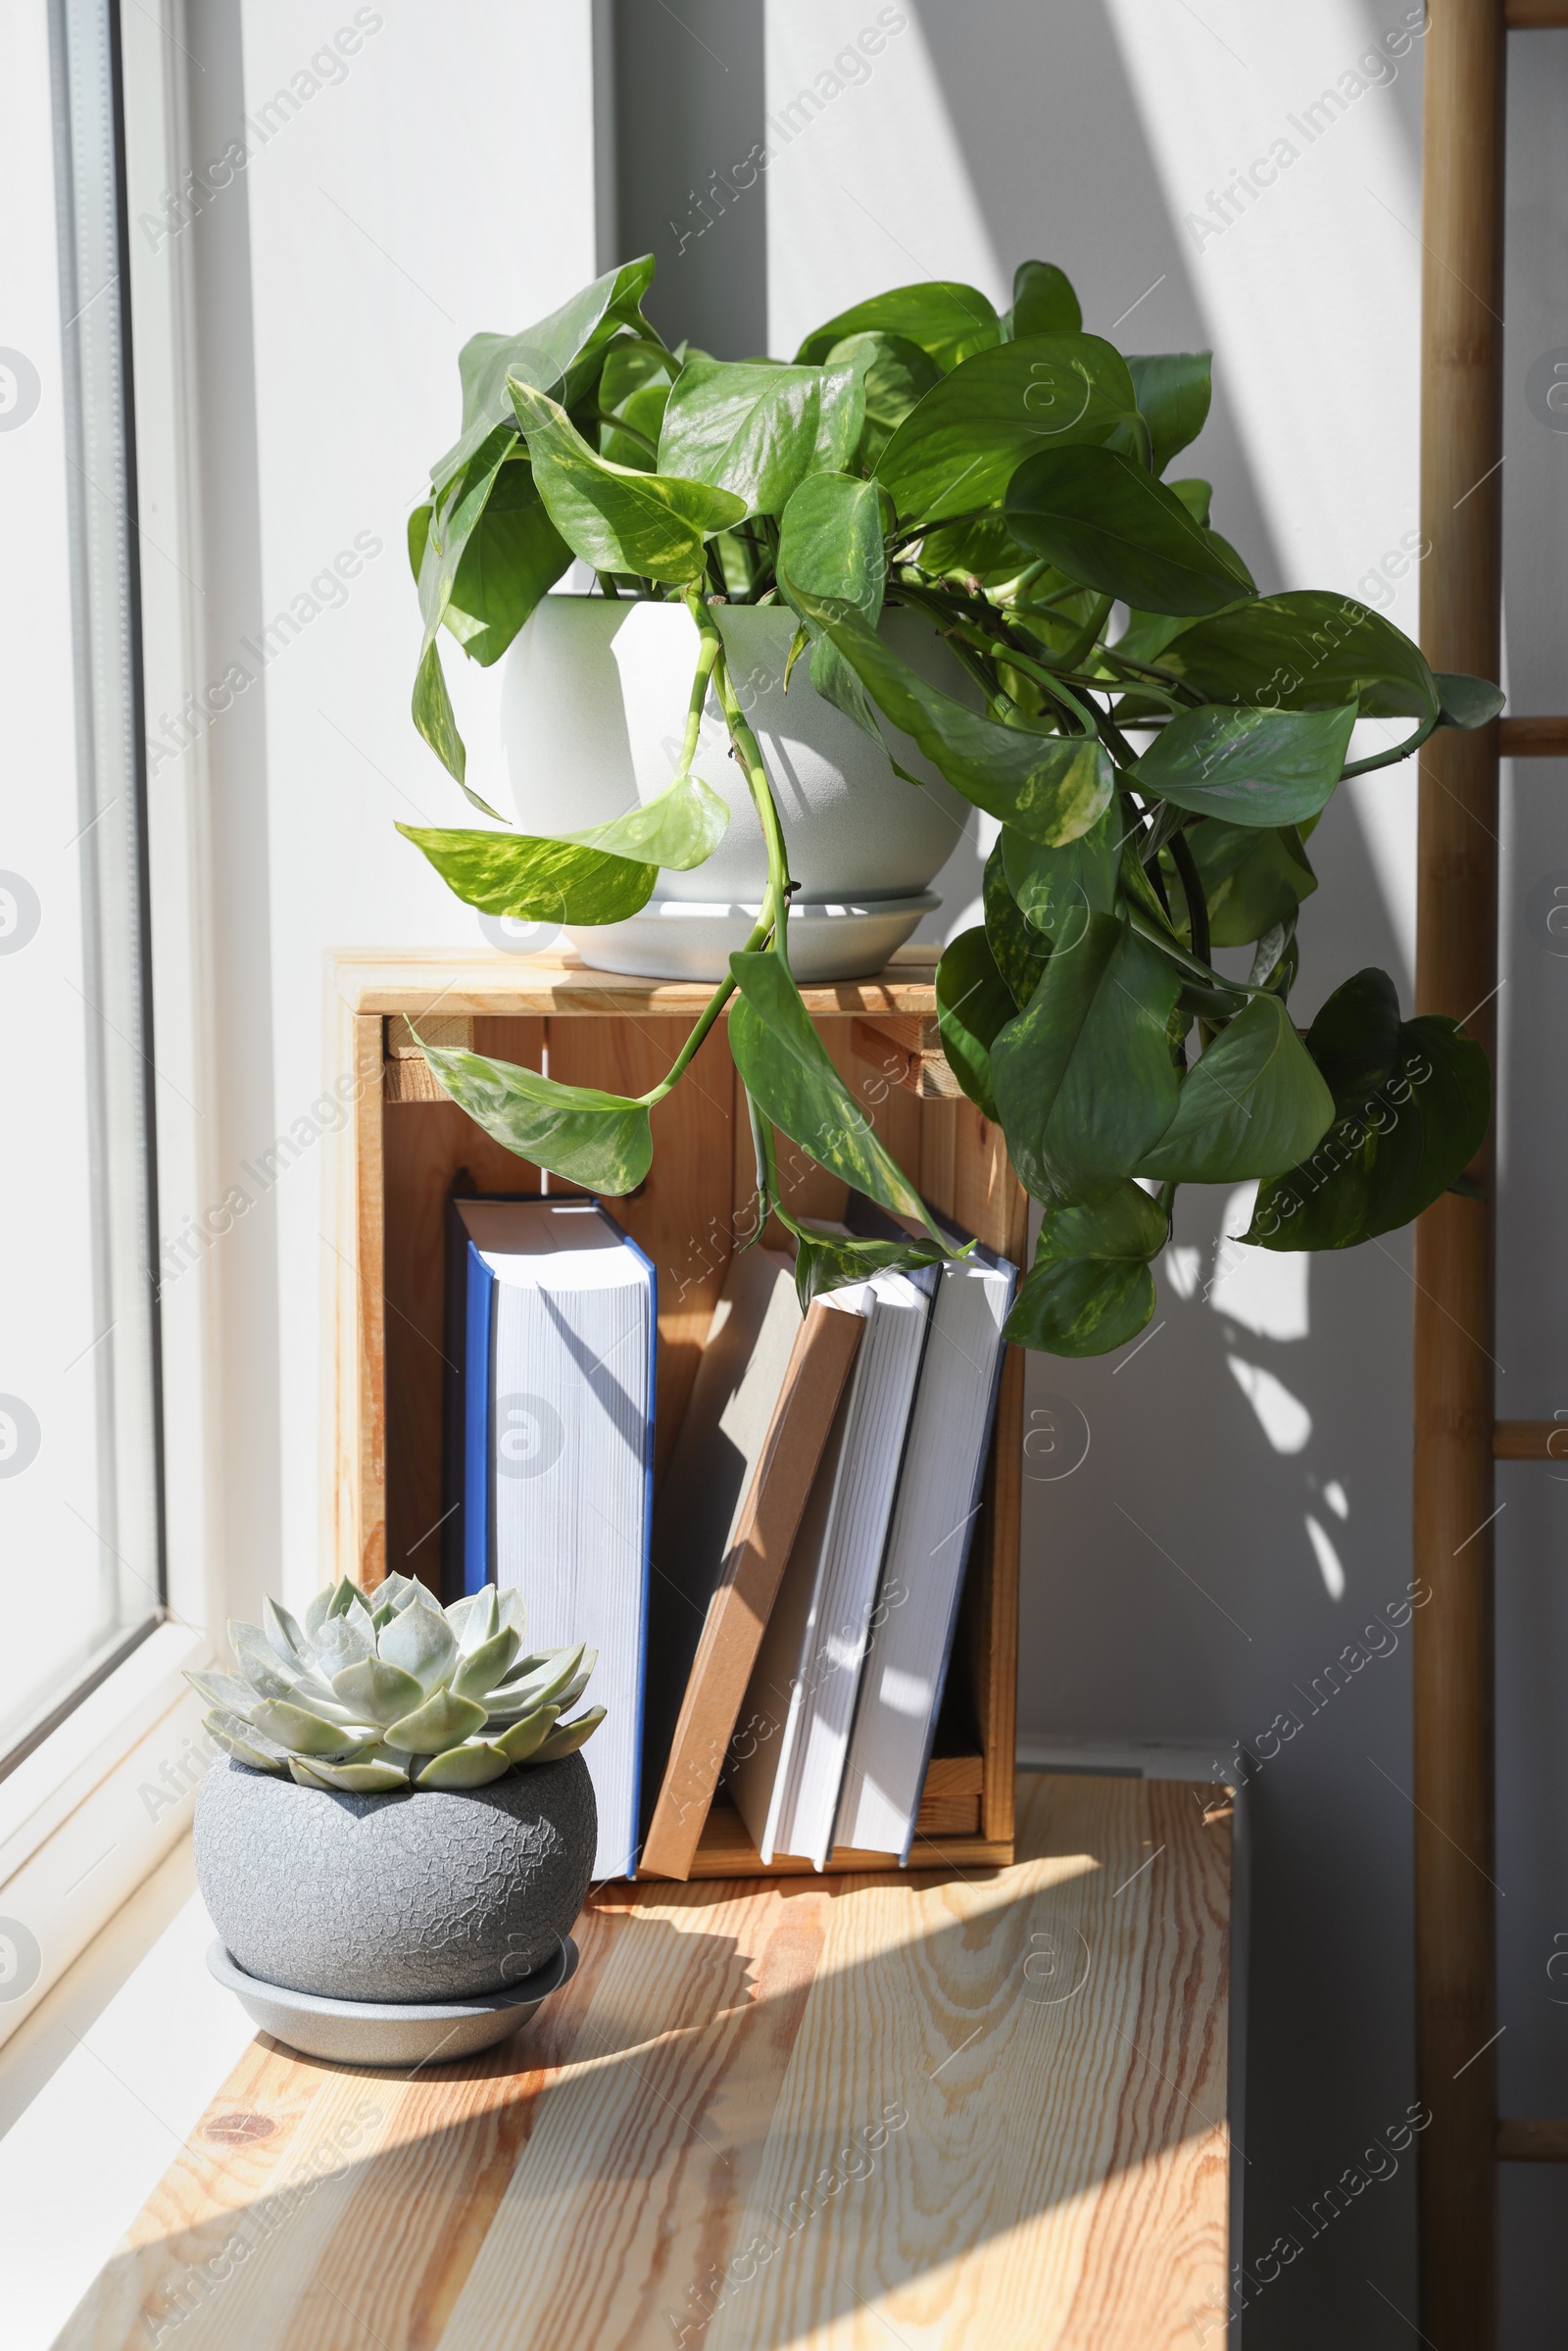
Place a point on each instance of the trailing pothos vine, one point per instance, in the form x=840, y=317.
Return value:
x=1157, y=739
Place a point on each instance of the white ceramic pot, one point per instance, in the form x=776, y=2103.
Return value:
x=594, y=707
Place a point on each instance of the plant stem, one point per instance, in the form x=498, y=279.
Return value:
x=1088, y=635
x=1185, y=865
x=709, y=646
x=927, y=530
x=709, y=653
x=693, y=1045
x=1390, y=758
x=776, y=905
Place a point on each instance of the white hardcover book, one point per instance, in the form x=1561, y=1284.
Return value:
x=787, y=1791
x=933, y=1521
x=570, y=1461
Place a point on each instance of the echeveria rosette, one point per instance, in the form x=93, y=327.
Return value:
x=1158, y=737
x=385, y=1689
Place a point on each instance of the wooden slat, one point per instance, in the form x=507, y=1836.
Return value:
x=1533, y=2141
x=423, y=1150
x=681, y=1213
x=1530, y=1440
x=424, y=984
x=1536, y=16
x=1534, y=738
x=725, y=1850
x=925, y=1074
x=1456, y=973
x=366, y=1528
x=1027, y=2067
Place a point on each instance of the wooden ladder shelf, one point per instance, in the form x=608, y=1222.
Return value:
x=1457, y=1435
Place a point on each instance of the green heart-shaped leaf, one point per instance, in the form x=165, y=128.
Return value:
x=600, y=1141
x=944, y=319
x=1305, y=651
x=1253, y=881
x=1044, y=302
x=1050, y=884
x=758, y=431
x=514, y=555
x=1084, y=1078
x=1253, y=1105
x=1016, y=947
x=1101, y=517
x=1127, y=1225
x=963, y=444
x=1412, y=1101
x=615, y=518
x=1051, y=787
x=825, y=1261
x=1467, y=702
x=559, y=354
x=682, y=828
x=785, y=1067
x=831, y=548
x=1173, y=389
x=894, y=375
x=1255, y=767
x=974, y=1005
x=538, y=879
x=1083, y=1306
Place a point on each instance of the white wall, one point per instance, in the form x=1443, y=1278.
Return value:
x=1173, y=1586
x=439, y=181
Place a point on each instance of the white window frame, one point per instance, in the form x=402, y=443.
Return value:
x=94, y=1807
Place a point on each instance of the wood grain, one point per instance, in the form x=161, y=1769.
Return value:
x=989, y=2111
x=1530, y=1440
x=364, y=1264
x=1456, y=974
x=1534, y=2140
x=942, y=1841
x=1534, y=738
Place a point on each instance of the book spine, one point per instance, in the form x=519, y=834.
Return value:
x=652, y=1271
x=477, y=1414
x=977, y=1493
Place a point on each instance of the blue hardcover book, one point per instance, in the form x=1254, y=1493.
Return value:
x=552, y=1329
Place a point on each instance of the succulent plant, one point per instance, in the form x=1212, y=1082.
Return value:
x=384, y=1689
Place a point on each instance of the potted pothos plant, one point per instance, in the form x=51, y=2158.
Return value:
x=1157, y=739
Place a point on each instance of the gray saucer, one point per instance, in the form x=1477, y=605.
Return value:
x=391, y=2033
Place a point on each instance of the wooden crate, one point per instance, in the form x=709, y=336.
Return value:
x=406, y=1143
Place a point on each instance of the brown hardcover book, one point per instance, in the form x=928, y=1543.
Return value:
x=736, y=1613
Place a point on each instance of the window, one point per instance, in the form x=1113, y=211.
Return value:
x=80, y=1497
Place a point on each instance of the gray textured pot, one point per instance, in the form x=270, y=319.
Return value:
x=433, y=1895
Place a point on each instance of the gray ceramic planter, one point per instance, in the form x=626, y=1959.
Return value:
x=433, y=1895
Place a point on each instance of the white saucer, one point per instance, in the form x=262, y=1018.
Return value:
x=407, y=2032
x=678, y=939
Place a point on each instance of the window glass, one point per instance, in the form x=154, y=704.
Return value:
x=79, y=1553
